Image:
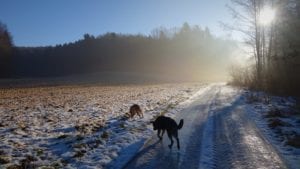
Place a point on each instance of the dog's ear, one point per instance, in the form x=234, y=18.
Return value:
x=152, y=122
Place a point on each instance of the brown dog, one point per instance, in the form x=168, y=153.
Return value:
x=135, y=109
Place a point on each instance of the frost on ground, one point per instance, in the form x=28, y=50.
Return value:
x=279, y=120
x=80, y=126
x=217, y=134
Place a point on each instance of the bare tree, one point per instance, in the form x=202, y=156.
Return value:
x=275, y=46
x=246, y=14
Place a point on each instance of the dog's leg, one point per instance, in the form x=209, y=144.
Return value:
x=176, y=136
x=158, y=134
x=162, y=134
x=131, y=115
x=170, y=137
x=142, y=114
x=178, y=145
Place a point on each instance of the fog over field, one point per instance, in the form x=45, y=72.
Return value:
x=187, y=53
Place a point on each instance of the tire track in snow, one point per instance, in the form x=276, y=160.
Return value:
x=217, y=134
x=157, y=154
x=238, y=142
x=198, y=151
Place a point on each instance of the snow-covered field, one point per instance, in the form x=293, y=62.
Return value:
x=80, y=126
x=278, y=118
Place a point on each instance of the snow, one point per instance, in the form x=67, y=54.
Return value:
x=207, y=148
x=218, y=133
x=257, y=111
x=85, y=126
x=81, y=126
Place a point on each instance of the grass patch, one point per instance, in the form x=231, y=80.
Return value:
x=62, y=136
x=22, y=126
x=274, y=113
x=79, y=154
x=64, y=162
x=79, y=137
x=26, y=162
x=273, y=123
x=79, y=145
x=4, y=160
x=122, y=125
x=83, y=128
x=56, y=164
x=97, y=127
x=252, y=98
x=294, y=141
x=105, y=135
x=2, y=152
x=39, y=152
x=97, y=143
x=47, y=167
x=14, y=166
x=297, y=108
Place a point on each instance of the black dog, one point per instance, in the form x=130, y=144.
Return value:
x=166, y=123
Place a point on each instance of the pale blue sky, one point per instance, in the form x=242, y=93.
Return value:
x=50, y=22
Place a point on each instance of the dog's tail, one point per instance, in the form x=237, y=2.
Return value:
x=180, y=124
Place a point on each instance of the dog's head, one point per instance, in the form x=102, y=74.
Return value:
x=154, y=125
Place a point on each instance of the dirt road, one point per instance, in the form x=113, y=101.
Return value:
x=217, y=133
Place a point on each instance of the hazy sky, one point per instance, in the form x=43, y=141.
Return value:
x=50, y=22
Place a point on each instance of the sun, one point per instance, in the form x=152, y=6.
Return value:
x=267, y=15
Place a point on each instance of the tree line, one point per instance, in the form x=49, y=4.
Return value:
x=5, y=51
x=275, y=47
x=187, y=52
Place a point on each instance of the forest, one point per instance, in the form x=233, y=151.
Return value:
x=186, y=53
x=274, y=47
